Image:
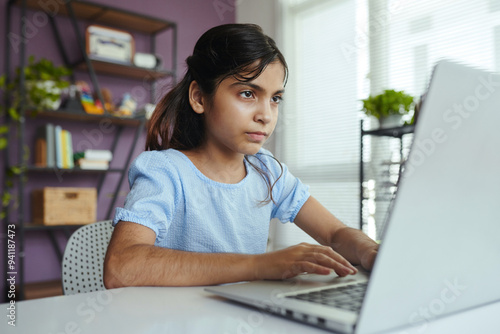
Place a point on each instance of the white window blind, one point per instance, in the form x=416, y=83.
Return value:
x=341, y=50
x=318, y=133
x=419, y=33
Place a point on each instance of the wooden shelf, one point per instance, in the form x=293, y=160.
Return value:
x=124, y=70
x=102, y=14
x=71, y=170
x=82, y=116
x=43, y=289
x=40, y=227
x=396, y=132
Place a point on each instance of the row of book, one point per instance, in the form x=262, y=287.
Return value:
x=54, y=149
x=93, y=159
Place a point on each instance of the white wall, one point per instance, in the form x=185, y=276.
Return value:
x=261, y=12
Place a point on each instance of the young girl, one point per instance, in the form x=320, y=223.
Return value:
x=203, y=194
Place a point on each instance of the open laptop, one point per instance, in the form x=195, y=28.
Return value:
x=440, y=252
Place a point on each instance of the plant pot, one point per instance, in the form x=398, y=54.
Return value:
x=391, y=121
x=44, y=95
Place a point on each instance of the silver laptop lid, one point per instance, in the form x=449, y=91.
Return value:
x=441, y=251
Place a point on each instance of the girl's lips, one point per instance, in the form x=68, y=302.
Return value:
x=257, y=136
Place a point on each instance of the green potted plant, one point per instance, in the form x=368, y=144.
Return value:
x=388, y=107
x=44, y=83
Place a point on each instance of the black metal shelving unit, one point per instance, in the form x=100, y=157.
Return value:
x=394, y=132
x=96, y=14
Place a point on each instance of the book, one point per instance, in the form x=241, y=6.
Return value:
x=92, y=164
x=51, y=154
x=58, y=146
x=41, y=152
x=41, y=147
x=64, y=152
x=67, y=149
x=97, y=155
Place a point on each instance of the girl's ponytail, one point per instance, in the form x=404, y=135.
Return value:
x=174, y=124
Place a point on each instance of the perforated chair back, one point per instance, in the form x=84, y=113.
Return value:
x=82, y=265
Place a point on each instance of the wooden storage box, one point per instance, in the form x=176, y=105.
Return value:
x=64, y=206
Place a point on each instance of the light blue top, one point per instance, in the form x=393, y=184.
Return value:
x=190, y=212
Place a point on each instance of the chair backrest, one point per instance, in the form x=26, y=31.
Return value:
x=82, y=265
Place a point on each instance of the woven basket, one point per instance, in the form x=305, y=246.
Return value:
x=64, y=206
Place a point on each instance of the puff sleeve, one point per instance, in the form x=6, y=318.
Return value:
x=153, y=193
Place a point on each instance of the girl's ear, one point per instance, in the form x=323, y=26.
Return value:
x=196, y=98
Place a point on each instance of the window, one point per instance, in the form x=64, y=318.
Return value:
x=340, y=51
x=419, y=33
x=318, y=130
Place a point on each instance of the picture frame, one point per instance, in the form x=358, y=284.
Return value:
x=109, y=44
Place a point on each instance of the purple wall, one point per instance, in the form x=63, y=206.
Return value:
x=193, y=17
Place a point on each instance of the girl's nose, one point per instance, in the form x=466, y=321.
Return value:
x=264, y=114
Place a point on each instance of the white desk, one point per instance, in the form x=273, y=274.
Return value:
x=189, y=311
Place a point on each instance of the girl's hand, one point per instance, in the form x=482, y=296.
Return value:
x=294, y=260
x=368, y=258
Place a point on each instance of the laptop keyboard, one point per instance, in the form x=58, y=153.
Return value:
x=347, y=297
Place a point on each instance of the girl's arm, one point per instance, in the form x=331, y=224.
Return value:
x=324, y=227
x=133, y=260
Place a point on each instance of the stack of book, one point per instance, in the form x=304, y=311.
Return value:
x=53, y=147
x=93, y=159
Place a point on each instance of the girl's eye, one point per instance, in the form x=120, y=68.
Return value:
x=246, y=94
x=277, y=99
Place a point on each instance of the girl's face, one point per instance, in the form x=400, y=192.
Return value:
x=243, y=115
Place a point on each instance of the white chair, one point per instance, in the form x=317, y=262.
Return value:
x=82, y=265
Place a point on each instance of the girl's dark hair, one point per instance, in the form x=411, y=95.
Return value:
x=241, y=51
